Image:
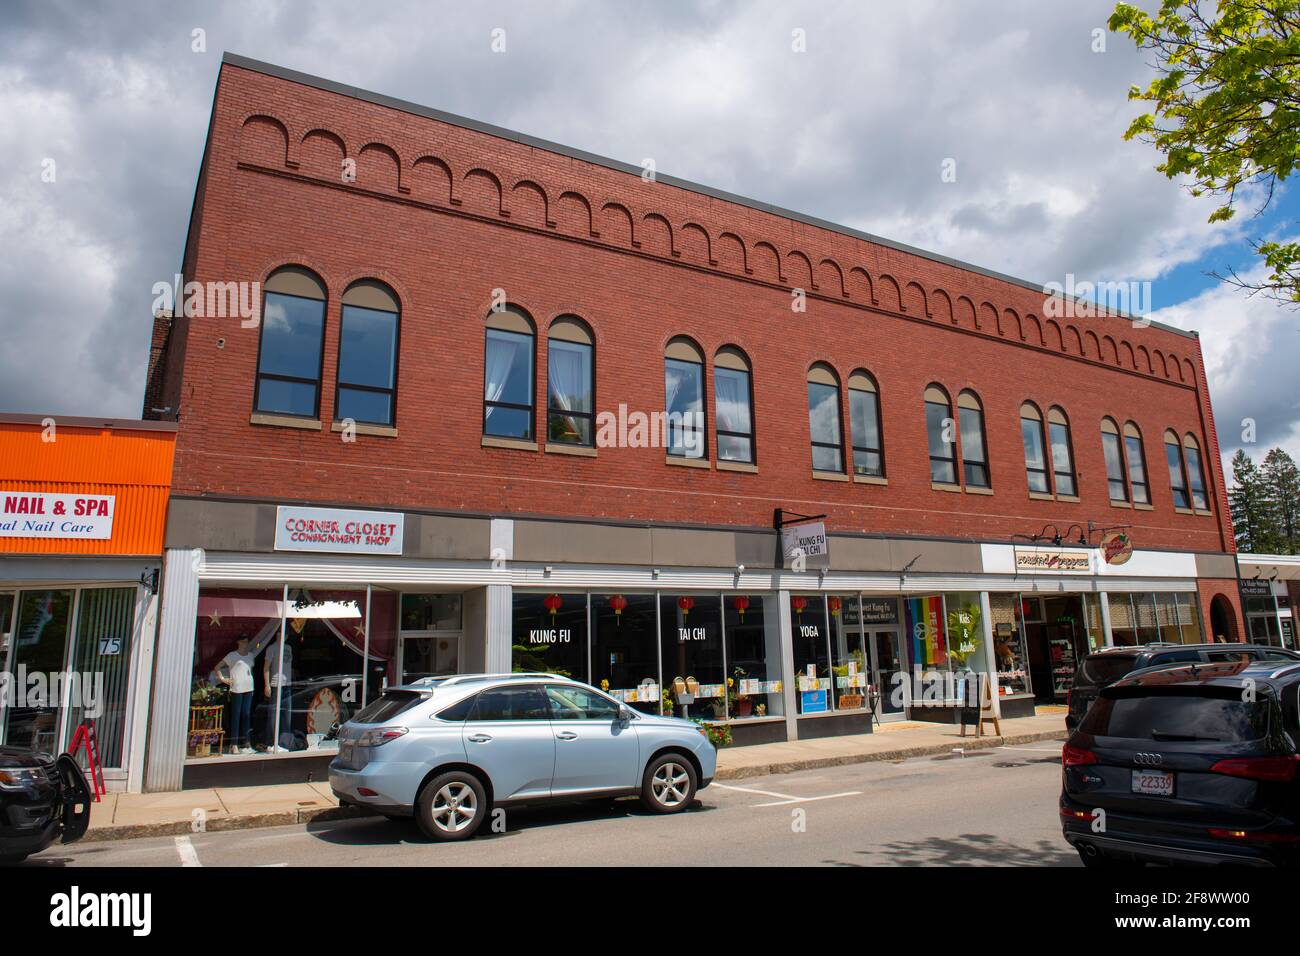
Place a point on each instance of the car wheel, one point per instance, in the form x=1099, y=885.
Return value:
x=668, y=785
x=1100, y=861
x=451, y=806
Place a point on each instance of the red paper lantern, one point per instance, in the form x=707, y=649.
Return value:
x=836, y=604
x=552, y=603
x=685, y=603
x=618, y=602
x=740, y=604
x=798, y=603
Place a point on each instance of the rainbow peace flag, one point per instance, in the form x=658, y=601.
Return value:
x=925, y=624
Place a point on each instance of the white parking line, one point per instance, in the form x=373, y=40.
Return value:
x=763, y=793
x=829, y=796
x=185, y=850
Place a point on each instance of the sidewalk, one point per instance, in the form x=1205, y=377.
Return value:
x=123, y=816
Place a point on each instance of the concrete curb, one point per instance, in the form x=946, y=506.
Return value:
x=898, y=753
x=282, y=818
x=250, y=821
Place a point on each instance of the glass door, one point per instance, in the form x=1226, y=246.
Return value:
x=886, y=662
x=103, y=654
x=429, y=636
x=6, y=645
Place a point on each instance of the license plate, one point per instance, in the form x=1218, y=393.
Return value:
x=345, y=752
x=1153, y=783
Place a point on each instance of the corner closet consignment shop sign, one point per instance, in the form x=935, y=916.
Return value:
x=338, y=530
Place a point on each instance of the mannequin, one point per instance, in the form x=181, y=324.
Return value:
x=277, y=675
x=235, y=670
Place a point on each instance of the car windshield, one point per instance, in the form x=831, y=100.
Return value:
x=1098, y=670
x=1177, y=717
x=387, y=707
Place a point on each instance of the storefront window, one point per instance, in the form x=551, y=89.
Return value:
x=1008, y=646
x=625, y=649
x=431, y=612
x=1189, y=618
x=1092, y=621
x=233, y=630
x=39, y=646
x=549, y=634
x=691, y=651
x=850, y=665
x=927, y=632
x=103, y=652
x=753, y=655
x=1123, y=627
x=312, y=679
x=812, y=666
x=382, y=660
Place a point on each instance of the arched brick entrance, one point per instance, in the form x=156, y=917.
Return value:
x=1223, y=621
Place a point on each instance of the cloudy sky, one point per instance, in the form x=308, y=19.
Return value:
x=855, y=129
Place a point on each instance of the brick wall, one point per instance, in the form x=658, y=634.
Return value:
x=446, y=214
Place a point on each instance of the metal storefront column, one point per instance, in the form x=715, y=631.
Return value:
x=165, y=761
x=500, y=598
x=788, y=676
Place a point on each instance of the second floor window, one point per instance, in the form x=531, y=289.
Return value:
x=1136, y=460
x=570, y=400
x=1195, y=473
x=940, y=436
x=684, y=399
x=1031, y=434
x=508, y=381
x=864, y=423
x=367, y=369
x=292, y=343
x=824, y=419
x=1058, y=430
x=733, y=406
x=974, y=448
x=1177, y=475
x=1112, y=450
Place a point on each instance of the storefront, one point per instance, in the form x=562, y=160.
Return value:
x=280, y=621
x=1270, y=585
x=82, y=503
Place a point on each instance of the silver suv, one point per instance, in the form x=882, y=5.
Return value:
x=447, y=749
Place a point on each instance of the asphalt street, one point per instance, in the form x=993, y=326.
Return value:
x=985, y=808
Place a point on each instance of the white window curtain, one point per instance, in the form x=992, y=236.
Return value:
x=502, y=354
x=733, y=401
x=569, y=377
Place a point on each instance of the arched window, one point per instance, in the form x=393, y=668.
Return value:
x=940, y=436
x=974, y=448
x=570, y=383
x=368, y=347
x=1112, y=450
x=684, y=398
x=1031, y=433
x=1136, y=459
x=292, y=343
x=1058, y=431
x=508, y=379
x=864, y=425
x=1177, y=473
x=1195, y=473
x=824, y=419
x=733, y=404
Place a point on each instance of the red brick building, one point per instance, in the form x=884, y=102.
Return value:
x=446, y=319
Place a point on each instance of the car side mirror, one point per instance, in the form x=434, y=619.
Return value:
x=625, y=715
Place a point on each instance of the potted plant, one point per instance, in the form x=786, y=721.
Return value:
x=719, y=734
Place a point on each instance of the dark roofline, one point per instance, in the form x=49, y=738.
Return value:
x=379, y=99
x=73, y=421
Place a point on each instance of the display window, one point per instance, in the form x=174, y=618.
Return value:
x=625, y=649
x=850, y=658
x=927, y=628
x=430, y=636
x=810, y=633
x=753, y=654
x=1144, y=617
x=277, y=669
x=549, y=634
x=694, y=674
x=1009, y=657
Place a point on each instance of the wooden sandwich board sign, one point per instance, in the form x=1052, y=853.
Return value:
x=985, y=711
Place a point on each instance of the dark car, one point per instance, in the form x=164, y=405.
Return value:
x=42, y=799
x=1190, y=764
x=1110, y=664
